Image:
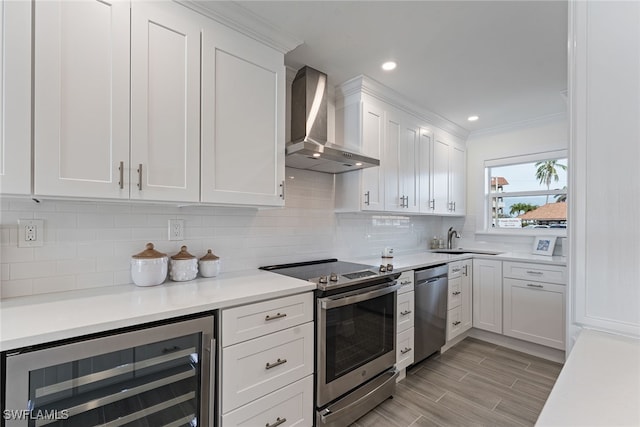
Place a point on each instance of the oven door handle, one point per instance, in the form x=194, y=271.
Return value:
x=329, y=303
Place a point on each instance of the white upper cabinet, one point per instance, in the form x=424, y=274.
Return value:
x=448, y=175
x=243, y=107
x=425, y=167
x=15, y=97
x=165, y=102
x=81, y=110
x=401, y=165
x=361, y=125
x=418, y=173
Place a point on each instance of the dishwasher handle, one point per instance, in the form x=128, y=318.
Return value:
x=430, y=281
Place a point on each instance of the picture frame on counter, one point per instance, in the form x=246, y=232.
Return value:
x=543, y=245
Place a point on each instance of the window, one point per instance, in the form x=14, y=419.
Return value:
x=527, y=192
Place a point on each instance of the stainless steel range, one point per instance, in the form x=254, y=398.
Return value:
x=355, y=336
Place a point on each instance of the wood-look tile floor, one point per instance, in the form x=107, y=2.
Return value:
x=475, y=383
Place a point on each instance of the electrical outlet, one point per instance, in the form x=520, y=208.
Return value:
x=176, y=229
x=30, y=233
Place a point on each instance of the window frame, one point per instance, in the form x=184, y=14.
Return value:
x=488, y=195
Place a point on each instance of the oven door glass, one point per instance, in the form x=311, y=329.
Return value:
x=358, y=333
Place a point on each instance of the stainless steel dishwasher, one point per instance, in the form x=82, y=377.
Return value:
x=431, y=310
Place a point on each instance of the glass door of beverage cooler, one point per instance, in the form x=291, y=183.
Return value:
x=157, y=376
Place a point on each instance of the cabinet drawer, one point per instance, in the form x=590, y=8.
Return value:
x=405, y=307
x=455, y=293
x=537, y=272
x=454, y=323
x=404, y=348
x=293, y=404
x=406, y=282
x=254, y=320
x=455, y=269
x=254, y=368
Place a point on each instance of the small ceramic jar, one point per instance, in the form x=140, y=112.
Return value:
x=149, y=267
x=209, y=265
x=183, y=266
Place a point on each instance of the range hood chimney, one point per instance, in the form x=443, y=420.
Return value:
x=309, y=148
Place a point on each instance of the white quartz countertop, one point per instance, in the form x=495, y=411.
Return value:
x=27, y=321
x=413, y=260
x=599, y=384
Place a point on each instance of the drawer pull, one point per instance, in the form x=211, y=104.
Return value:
x=456, y=323
x=406, y=282
x=277, y=422
x=276, y=316
x=456, y=293
x=535, y=273
x=276, y=363
x=404, y=313
x=405, y=350
x=531, y=285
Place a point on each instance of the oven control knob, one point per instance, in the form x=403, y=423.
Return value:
x=389, y=267
x=333, y=277
x=383, y=268
x=323, y=280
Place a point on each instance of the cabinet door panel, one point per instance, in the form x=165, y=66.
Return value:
x=535, y=311
x=81, y=98
x=393, y=184
x=457, y=173
x=440, y=176
x=15, y=91
x=487, y=295
x=372, y=145
x=425, y=150
x=409, y=167
x=243, y=107
x=165, y=102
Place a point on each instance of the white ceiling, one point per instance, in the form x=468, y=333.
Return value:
x=505, y=61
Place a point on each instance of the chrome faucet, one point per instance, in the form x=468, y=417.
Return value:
x=450, y=235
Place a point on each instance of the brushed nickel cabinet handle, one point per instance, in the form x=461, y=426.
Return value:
x=535, y=273
x=456, y=293
x=405, y=350
x=405, y=282
x=140, y=177
x=465, y=270
x=432, y=204
x=456, y=323
x=404, y=313
x=282, y=193
x=121, y=170
x=366, y=198
x=277, y=422
x=275, y=316
x=276, y=363
x=531, y=285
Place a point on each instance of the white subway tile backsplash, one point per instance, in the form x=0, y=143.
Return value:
x=89, y=244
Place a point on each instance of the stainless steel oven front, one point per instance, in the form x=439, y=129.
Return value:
x=355, y=339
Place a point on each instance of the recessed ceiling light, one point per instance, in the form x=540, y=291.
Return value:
x=472, y=118
x=388, y=66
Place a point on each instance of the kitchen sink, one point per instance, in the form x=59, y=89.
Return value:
x=461, y=251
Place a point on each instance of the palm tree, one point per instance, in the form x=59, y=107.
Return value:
x=547, y=172
x=516, y=208
x=561, y=197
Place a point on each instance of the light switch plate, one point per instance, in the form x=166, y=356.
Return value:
x=30, y=233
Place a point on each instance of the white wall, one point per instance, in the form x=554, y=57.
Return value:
x=534, y=136
x=89, y=244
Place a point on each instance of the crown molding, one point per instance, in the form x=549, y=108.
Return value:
x=536, y=121
x=366, y=85
x=237, y=17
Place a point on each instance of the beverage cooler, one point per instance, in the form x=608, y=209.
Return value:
x=160, y=375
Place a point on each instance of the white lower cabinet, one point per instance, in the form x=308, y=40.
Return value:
x=289, y=406
x=267, y=363
x=534, y=309
x=405, y=308
x=459, y=307
x=487, y=295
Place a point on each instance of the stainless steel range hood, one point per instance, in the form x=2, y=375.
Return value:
x=309, y=148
